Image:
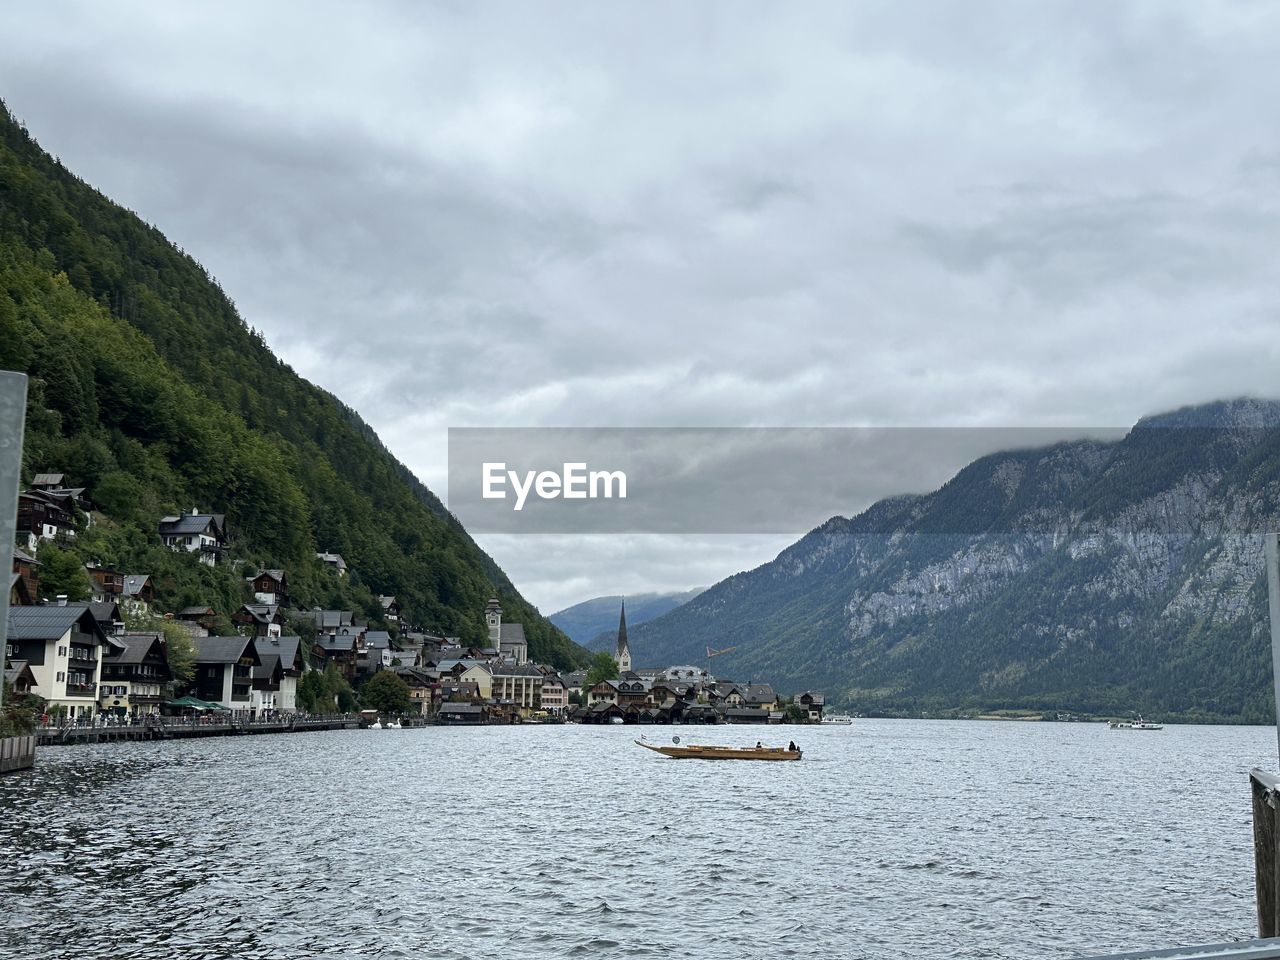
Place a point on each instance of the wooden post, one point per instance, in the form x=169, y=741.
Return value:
x=1272, y=542
x=13, y=418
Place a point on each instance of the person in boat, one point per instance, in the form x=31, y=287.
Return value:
x=759, y=745
x=792, y=746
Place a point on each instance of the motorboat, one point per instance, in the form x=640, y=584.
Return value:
x=838, y=718
x=1136, y=724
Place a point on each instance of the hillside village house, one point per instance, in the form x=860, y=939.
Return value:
x=204, y=617
x=202, y=533
x=25, y=567
x=42, y=516
x=64, y=647
x=260, y=619
x=138, y=589
x=270, y=586
x=390, y=609
x=338, y=649
x=134, y=677
x=224, y=670
x=334, y=562
x=275, y=679
x=107, y=583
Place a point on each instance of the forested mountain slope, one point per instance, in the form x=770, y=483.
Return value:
x=151, y=391
x=1088, y=576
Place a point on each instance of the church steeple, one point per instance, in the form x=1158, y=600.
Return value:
x=623, y=654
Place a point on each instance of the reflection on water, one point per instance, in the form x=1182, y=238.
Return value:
x=891, y=839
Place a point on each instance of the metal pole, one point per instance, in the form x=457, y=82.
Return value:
x=13, y=417
x=1272, y=542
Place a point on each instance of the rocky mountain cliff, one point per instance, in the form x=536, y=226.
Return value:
x=1088, y=576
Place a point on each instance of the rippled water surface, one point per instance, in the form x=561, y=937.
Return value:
x=890, y=839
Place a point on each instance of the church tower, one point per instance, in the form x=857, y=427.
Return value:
x=623, y=654
x=493, y=617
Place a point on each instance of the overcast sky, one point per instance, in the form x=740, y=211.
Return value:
x=701, y=214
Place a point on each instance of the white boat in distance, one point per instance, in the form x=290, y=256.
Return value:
x=1135, y=724
x=838, y=718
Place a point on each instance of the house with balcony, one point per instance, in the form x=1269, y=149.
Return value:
x=270, y=586
x=424, y=688
x=632, y=690
x=138, y=590
x=107, y=583
x=811, y=703
x=224, y=670
x=338, y=649
x=64, y=647
x=606, y=691
x=260, y=619
x=275, y=680
x=204, y=534
x=43, y=516
x=135, y=677
x=555, y=695
x=518, y=685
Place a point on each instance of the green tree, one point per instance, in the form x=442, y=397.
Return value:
x=386, y=692
x=62, y=572
x=181, y=652
x=603, y=667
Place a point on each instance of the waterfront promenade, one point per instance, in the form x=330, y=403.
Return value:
x=206, y=725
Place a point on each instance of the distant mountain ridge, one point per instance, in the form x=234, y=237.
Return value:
x=593, y=621
x=1088, y=576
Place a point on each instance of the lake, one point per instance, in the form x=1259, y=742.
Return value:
x=891, y=838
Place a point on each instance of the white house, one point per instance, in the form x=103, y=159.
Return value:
x=203, y=533
x=64, y=646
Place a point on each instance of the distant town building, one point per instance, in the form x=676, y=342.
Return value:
x=507, y=639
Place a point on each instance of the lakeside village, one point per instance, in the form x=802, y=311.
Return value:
x=79, y=664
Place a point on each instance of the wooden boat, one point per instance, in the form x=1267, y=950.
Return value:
x=699, y=752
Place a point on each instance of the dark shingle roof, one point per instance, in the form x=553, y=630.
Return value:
x=513, y=633
x=136, y=647
x=133, y=583
x=105, y=611
x=285, y=647
x=196, y=612
x=378, y=639
x=515, y=670
x=223, y=649
x=50, y=622
x=189, y=524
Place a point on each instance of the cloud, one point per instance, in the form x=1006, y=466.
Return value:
x=712, y=214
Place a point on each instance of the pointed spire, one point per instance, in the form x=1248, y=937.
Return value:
x=623, y=655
